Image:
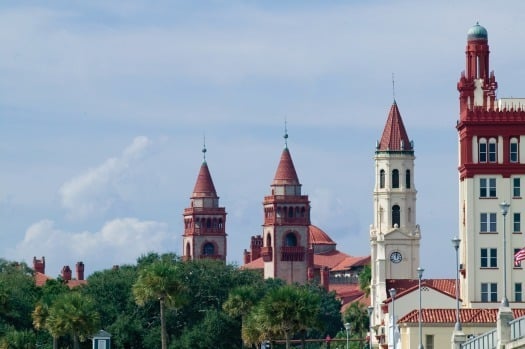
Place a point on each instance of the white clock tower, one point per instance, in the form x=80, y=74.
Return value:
x=394, y=235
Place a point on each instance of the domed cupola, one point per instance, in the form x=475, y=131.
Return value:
x=477, y=32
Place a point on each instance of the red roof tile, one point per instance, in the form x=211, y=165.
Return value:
x=350, y=261
x=394, y=136
x=449, y=315
x=41, y=279
x=204, y=186
x=329, y=259
x=319, y=237
x=285, y=174
x=405, y=286
x=255, y=264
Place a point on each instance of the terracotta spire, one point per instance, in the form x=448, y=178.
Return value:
x=394, y=136
x=204, y=186
x=285, y=174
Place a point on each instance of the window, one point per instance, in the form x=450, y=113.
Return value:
x=489, y=292
x=516, y=265
x=482, y=150
x=492, y=150
x=382, y=179
x=488, y=222
x=516, y=185
x=513, y=150
x=429, y=341
x=290, y=240
x=396, y=216
x=516, y=222
x=518, y=293
x=489, y=258
x=208, y=249
x=395, y=179
x=487, y=187
x=407, y=179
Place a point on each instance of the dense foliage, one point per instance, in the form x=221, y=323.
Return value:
x=162, y=302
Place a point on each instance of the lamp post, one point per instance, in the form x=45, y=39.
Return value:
x=347, y=327
x=504, y=210
x=370, y=311
x=455, y=243
x=393, y=295
x=419, y=276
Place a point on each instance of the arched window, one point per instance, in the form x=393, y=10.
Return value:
x=297, y=214
x=303, y=210
x=208, y=223
x=395, y=179
x=220, y=223
x=492, y=150
x=208, y=249
x=278, y=212
x=514, y=150
x=396, y=216
x=407, y=179
x=290, y=240
x=268, y=240
x=188, y=250
x=482, y=150
x=290, y=212
x=382, y=179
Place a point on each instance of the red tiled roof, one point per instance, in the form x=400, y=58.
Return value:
x=449, y=315
x=255, y=264
x=76, y=283
x=405, y=286
x=319, y=237
x=40, y=279
x=329, y=259
x=394, y=133
x=350, y=261
x=285, y=174
x=204, y=186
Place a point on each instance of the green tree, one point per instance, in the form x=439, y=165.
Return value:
x=357, y=315
x=73, y=314
x=365, y=277
x=13, y=339
x=287, y=310
x=160, y=281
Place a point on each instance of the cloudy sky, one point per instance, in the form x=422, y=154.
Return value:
x=104, y=106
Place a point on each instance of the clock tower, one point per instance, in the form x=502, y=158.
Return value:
x=394, y=235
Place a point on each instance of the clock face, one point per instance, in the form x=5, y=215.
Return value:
x=396, y=257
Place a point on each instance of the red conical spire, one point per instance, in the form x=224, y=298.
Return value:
x=394, y=136
x=204, y=186
x=285, y=174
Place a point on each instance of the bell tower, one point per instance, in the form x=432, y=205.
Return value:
x=394, y=235
x=285, y=230
x=204, y=221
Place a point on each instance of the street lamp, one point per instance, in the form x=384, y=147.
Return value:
x=347, y=327
x=393, y=296
x=419, y=276
x=504, y=210
x=455, y=243
x=370, y=311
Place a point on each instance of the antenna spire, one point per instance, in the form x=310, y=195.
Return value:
x=204, y=148
x=393, y=87
x=285, y=133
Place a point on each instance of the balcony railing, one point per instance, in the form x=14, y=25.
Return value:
x=487, y=340
x=292, y=253
x=517, y=328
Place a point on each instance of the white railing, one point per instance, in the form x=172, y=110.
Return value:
x=517, y=328
x=487, y=340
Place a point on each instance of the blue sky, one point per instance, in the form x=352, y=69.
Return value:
x=103, y=108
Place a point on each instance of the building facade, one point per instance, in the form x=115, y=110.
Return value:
x=491, y=171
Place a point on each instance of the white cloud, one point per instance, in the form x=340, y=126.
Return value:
x=120, y=241
x=96, y=191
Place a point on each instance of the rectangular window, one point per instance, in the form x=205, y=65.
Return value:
x=483, y=152
x=513, y=152
x=487, y=187
x=488, y=222
x=518, y=293
x=516, y=265
x=429, y=341
x=516, y=185
x=492, y=152
x=516, y=222
x=489, y=258
x=489, y=292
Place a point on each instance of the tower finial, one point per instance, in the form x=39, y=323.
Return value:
x=393, y=87
x=285, y=133
x=204, y=148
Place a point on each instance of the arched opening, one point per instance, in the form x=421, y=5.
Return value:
x=482, y=150
x=208, y=249
x=407, y=179
x=188, y=250
x=382, y=179
x=290, y=240
x=514, y=152
x=268, y=240
x=395, y=179
x=396, y=216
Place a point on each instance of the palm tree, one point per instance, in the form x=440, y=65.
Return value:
x=240, y=301
x=365, y=277
x=287, y=310
x=159, y=281
x=357, y=315
x=74, y=314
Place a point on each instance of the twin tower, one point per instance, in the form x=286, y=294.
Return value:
x=286, y=248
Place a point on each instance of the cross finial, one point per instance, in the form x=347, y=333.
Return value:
x=204, y=148
x=285, y=134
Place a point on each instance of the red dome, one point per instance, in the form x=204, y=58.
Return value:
x=319, y=237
